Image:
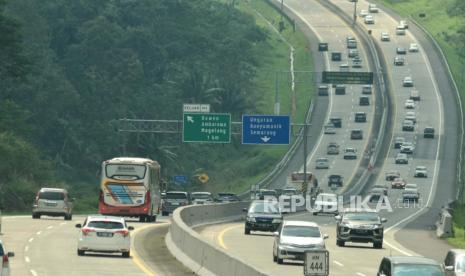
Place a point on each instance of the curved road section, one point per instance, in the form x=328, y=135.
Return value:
x=435, y=91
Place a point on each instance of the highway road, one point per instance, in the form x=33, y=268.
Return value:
x=48, y=247
x=356, y=259
x=331, y=29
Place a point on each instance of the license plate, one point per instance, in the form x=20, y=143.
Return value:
x=361, y=231
x=51, y=204
x=104, y=234
x=175, y=203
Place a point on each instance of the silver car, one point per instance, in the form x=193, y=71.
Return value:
x=52, y=202
x=322, y=163
x=454, y=263
x=295, y=238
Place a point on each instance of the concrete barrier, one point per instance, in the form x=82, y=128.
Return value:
x=201, y=256
x=444, y=227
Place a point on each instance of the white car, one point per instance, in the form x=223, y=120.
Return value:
x=401, y=158
x=411, y=186
x=407, y=147
x=400, y=30
x=295, y=238
x=409, y=104
x=350, y=153
x=363, y=13
x=403, y=23
x=5, y=264
x=410, y=195
x=410, y=115
x=421, y=171
x=413, y=47
x=407, y=82
x=369, y=19
x=322, y=163
x=105, y=234
x=201, y=198
x=372, y=8
x=385, y=36
x=330, y=129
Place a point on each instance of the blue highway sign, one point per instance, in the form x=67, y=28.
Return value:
x=180, y=178
x=265, y=129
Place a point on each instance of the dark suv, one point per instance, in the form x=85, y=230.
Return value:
x=335, y=180
x=173, y=200
x=357, y=225
x=428, y=132
x=263, y=215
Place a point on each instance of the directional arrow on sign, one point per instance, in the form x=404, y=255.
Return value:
x=190, y=119
x=265, y=139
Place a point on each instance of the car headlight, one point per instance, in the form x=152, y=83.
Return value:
x=277, y=220
x=250, y=219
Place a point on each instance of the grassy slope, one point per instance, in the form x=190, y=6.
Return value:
x=442, y=27
x=277, y=60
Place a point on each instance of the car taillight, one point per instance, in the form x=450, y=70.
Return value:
x=86, y=231
x=5, y=260
x=123, y=232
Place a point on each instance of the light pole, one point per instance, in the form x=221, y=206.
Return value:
x=355, y=11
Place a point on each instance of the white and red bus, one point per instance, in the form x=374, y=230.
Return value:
x=130, y=187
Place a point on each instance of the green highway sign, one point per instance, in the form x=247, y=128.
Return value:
x=337, y=77
x=206, y=127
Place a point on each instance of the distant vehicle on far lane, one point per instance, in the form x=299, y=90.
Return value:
x=227, y=197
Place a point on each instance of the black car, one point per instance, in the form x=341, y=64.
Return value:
x=360, y=117
x=323, y=90
x=398, y=141
x=399, y=61
x=322, y=46
x=173, y=200
x=364, y=100
x=411, y=265
x=262, y=216
x=337, y=122
x=340, y=89
x=357, y=225
x=335, y=180
x=401, y=51
x=227, y=197
x=356, y=134
x=428, y=132
x=336, y=56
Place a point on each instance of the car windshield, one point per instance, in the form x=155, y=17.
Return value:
x=270, y=193
x=361, y=216
x=52, y=195
x=102, y=224
x=417, y=269
x=176, y=196
x=201, y=196
x=289, y=192
x=128, y=170
x=264, y=207
x=301, y=231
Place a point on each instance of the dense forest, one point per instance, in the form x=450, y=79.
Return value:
x=69, y=69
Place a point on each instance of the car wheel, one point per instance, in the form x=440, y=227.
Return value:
x=163, y=213
x=143, y=219
x=126, y=254
x=275, y=259
x=247, y=231
x=378, y=244
x=340, y=243
x=315, y=213
x=153, y=218
x=35, y=216
x=279, y=260
x=68, y=217
x=81, y=252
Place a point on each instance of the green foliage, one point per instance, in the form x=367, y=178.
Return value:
x=69, y=69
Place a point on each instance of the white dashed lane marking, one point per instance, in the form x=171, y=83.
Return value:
x=27, y=259
x=338, y=263
x=31, y=239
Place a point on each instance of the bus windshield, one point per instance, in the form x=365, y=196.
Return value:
x=122, y=171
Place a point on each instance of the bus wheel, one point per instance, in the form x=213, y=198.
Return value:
x=142, y=218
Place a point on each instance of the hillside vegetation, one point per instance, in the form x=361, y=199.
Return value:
x=70, y=69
